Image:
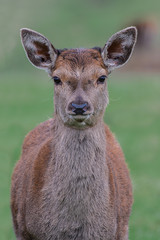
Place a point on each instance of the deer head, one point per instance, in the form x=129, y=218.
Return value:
x=80, y=75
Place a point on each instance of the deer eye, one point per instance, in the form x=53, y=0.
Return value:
x=57, y=80
x=101, y=79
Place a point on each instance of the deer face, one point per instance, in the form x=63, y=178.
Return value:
x=80, y=75
x=80, y=94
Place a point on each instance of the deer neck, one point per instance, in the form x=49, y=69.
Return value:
x=80, y=161
x=80, y=148
x=79, y=183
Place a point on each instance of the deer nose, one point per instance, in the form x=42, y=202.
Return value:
x=79, y=109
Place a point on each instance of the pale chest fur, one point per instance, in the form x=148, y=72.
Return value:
x=76, y=200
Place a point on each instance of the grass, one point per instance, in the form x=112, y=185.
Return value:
x=133, y=114
x=21, y=96
x=26, y=95
x=135, y=119
x=71, y=23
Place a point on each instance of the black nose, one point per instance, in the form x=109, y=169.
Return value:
x=79, y=109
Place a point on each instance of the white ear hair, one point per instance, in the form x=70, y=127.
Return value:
x=119, y=48
x=39, y=50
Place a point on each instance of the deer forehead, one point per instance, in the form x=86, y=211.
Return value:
x=79, y=64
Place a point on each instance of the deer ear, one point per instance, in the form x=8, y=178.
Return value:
x=39, y=50
x=119, y=47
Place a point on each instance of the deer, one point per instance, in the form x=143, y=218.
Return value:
x=72, y=181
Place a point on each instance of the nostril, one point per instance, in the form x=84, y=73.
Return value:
x=78, y=109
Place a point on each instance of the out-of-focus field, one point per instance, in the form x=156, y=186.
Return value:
x=26, y=95
x=133, y=115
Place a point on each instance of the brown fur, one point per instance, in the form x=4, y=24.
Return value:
x=40, y=140
x=72, y=181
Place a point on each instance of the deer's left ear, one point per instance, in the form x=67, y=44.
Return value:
x=119, y=47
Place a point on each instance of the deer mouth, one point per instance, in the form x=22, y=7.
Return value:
x=79, y=118
x=79, y=121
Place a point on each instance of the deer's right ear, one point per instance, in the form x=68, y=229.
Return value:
x=39, y=50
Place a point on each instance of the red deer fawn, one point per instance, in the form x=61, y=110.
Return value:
x=72, y=182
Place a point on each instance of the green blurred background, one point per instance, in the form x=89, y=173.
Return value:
x=133, y=114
